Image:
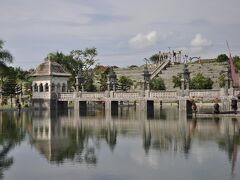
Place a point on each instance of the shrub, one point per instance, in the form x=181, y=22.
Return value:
x=201, y=82
x=157, y=84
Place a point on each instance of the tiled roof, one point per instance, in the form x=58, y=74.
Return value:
x=49, y=68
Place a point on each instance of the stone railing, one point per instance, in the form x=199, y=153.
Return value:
x=204, y=93
x=66, y=95
x=41, y=95
x=163, y=94
x=126, y=95
x=92, y=95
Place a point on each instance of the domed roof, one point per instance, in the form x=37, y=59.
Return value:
x=49, y=68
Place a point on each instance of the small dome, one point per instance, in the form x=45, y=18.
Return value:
x=49, y=68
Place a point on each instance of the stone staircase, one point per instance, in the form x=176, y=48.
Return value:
x=211, y=70
x=159, y=69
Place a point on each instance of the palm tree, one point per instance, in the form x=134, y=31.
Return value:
x=5, y=57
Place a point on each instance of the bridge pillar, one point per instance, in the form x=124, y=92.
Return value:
x=142, y=110
x=108, y=105
x=142, y=105
x=114, y=108
x=226, y=104
x=83, y=108
x=182, y=104
x=76, y=105
x=62, y=105
x=150, y=109
x=185, y=106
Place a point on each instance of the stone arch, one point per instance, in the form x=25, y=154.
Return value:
x=53, y=87
x=35, y=87
x=46, y=87
x=40, y=87
x=64, y=89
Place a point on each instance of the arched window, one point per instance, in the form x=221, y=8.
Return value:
x=53, y=87
x=64, y=87
x=58, y=87
x=35, y=87
x=41, y=87
x=46, y=87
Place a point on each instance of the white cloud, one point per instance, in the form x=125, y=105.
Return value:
x=45, y=26
x=144, y=40
x=199, y=43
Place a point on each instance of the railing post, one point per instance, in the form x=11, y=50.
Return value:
x=111, y=94
x=147, y=93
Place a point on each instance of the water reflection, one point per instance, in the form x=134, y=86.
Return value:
x=98, y=139
x=63, y=137
x=11, y=134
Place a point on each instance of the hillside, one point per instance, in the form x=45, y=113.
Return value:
x=208, y=69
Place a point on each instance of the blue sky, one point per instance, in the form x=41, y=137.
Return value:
x=124, y=32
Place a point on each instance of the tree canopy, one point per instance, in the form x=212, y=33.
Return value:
x=75, y=60
x=236, y=62
x=154, y=58
x=176, y=80
x=157, y=84
x=222, y=58
x=124, y=83
x=201, y=82
x=5, y=55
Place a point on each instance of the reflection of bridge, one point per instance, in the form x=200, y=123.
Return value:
x=48, y=127
x=54, y=135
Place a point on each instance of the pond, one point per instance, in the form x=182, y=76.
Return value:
x=130, y=145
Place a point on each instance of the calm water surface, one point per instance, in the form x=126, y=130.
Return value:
x=60, y=145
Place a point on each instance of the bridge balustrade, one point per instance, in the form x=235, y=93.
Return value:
x=93, y=95
x=205, y=93
x=42, y=95
x=163, y=94
x=65, y=95
x=126, y=95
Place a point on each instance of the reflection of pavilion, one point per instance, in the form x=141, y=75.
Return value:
x=47, y=137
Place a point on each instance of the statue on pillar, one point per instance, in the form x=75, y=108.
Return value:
x=185, y=80
x=146, y=78
x=79, y=81
x=112, y=77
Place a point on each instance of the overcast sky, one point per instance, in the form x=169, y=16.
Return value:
x=124, y=32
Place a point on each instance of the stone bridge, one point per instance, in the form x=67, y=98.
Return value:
x=145, y=98
x=165, y=96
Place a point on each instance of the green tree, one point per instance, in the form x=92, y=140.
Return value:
x=78, y=59
x=11, y=134
x=200, y=82
x=87, y=60
x=236, y=62
x=154, y=58
x=124, y=83
x=68, y=63
x=222, y=58
x=5, y=55
x=176, y=80
x=101, y=75
x=157, y=84
x=9, y=88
